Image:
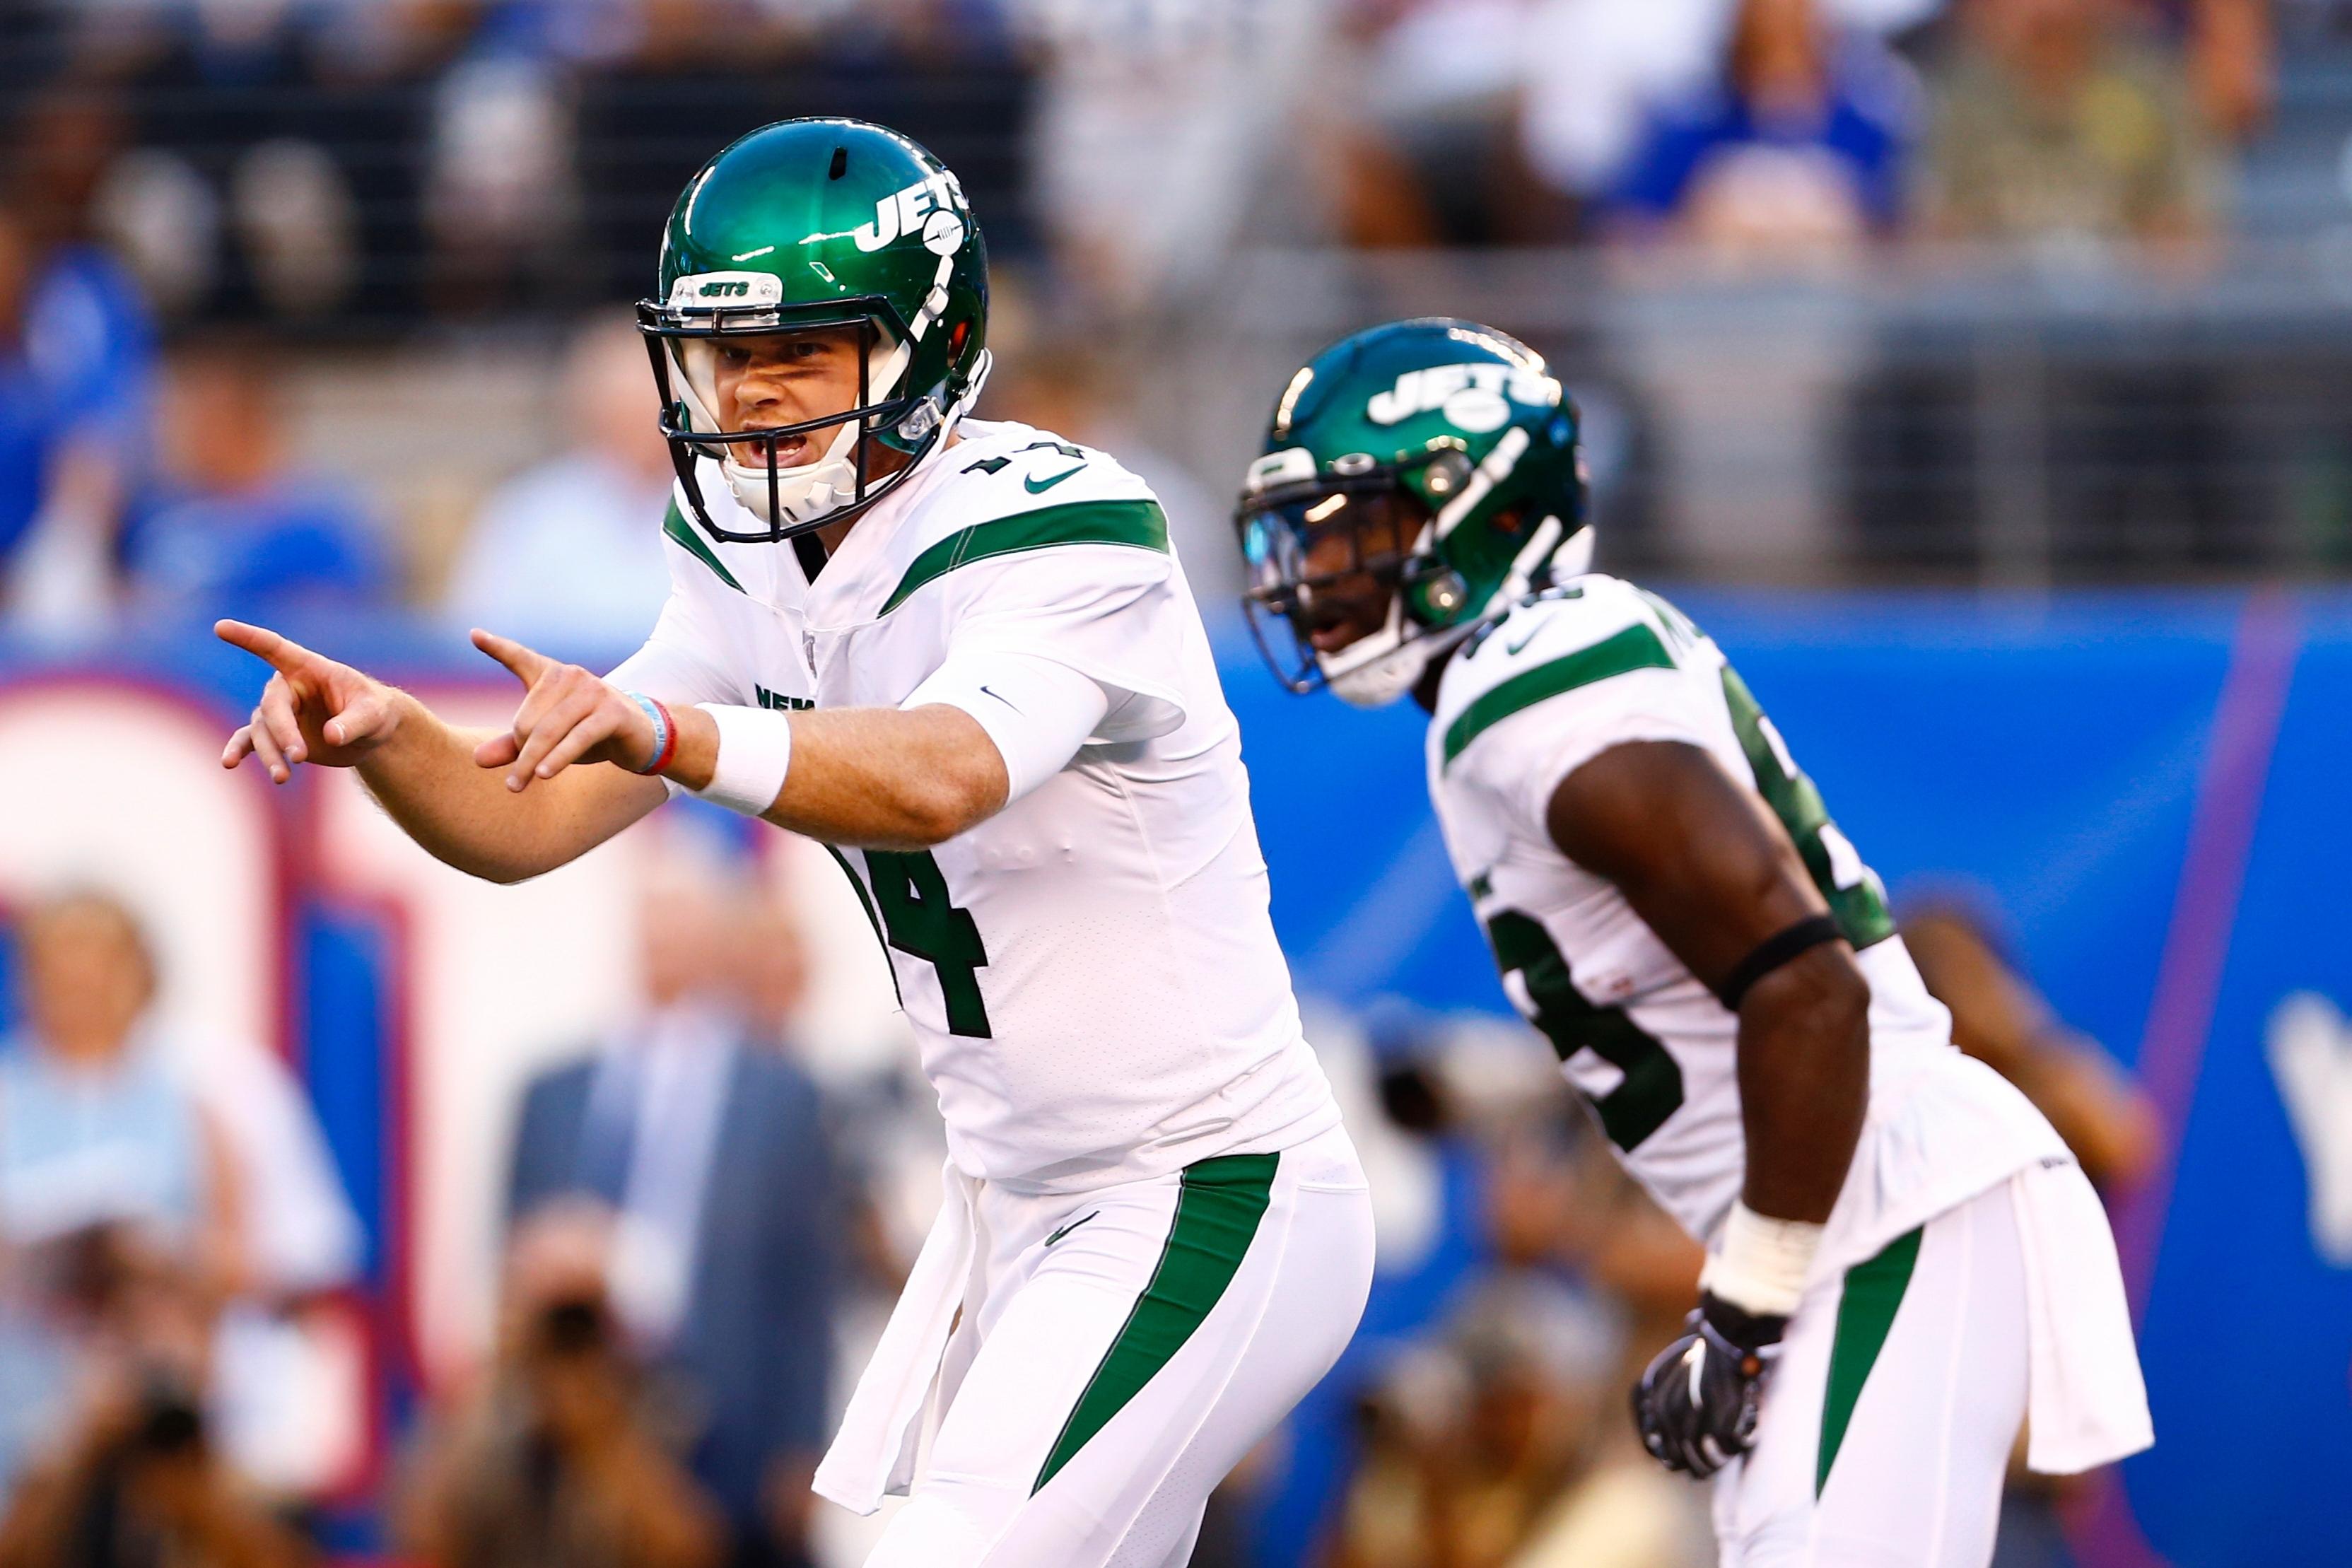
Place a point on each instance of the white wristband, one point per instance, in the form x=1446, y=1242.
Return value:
x=755, y=752
x=1763, y=1262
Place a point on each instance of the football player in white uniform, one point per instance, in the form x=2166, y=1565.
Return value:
x=1903, y=1260
x=964, y=654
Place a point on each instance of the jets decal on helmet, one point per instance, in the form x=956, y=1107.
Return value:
x=1475, y=397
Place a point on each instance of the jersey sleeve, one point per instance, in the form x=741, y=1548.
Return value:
x=1114, y=614
x=1036, y=711
x=685, y=659
x=1568, y=697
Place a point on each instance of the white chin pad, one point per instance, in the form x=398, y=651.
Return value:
x=804, y=491
x=1374, y=671
x=1380, y=682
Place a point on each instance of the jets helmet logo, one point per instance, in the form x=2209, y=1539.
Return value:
x=932, y=208
x=1475, y=397
x=714, y=290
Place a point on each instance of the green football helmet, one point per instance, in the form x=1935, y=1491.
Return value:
x=1450, y=448
x=810, y=224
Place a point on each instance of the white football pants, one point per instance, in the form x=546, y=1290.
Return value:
x=1886, y=1431
x=1120, y=1350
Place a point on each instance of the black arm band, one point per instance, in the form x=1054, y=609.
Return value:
x=1772, y=953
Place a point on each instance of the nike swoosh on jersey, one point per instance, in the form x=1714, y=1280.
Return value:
x=1001, y=697
x=1039, y=487
x=1068, y=1229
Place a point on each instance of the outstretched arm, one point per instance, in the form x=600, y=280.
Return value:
x=429, y=775
x=884, y=778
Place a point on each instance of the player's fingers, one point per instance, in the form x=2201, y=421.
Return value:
x=360, y=719
x=545, y=693
x=266, y=748
x=596, y=727
x=239, y=747
x=497, y=751
x=526, y=665
x=558, y=686
x=283, y=653
x=276, y=714
x=559, y=722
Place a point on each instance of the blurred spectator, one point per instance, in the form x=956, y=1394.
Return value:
x=241, y=531
x=700, y=1141
x=2234, y=62
x=1600, y=72
x=1621, y=1511
x=104, y=1154
x=134, y=1480
x=2063, y=121
x=501, y=198
x=566, y=1458
x=1487, y=1383
x=1999, y=1018
x=2112, y=1127
x=1800, y=144
x=76, y=361
x=112, y=1147
x=285, y=1388
x=1156, y=128
x=1471, y=1438
x=569, y=554
x=272, y=173
x=1433, y=156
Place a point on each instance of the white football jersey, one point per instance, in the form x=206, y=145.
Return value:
x=1596, y=663
x=1092, y=973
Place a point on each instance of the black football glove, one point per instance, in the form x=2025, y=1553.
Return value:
x=1695, y=1407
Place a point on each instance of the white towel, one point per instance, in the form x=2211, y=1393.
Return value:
x=873, y=1455
x=2086, y=1405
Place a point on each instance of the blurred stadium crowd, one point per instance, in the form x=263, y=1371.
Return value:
x=282, y=280
x=700, y=1234
x=313, y=307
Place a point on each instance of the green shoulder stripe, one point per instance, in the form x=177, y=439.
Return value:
x=1139, y=524
x=678, y=528
x=1636, y=647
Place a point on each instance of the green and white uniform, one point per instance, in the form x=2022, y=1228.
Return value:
x=1594, y=663
x=1100, y=1003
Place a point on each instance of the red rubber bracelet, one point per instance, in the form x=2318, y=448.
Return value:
x=670, y=738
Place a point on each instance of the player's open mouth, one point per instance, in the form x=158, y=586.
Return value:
x=792, y=451
x=1336, y=613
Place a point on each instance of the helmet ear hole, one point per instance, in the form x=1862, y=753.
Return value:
x=1445, y=475
x=1437, y=599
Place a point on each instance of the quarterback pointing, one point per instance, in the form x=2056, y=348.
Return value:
x=964, y=654
x=1904, y=1263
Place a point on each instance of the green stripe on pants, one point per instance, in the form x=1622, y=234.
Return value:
x=1866, y=1312
x=1217, y=1214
